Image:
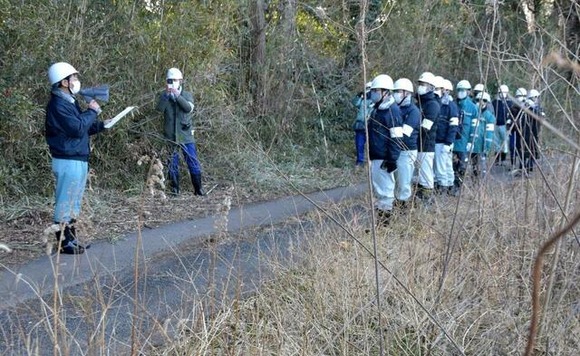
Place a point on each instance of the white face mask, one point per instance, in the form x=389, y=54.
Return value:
x=422, y=90
x=74, y=86
x=462, y=94
x=438, y=92
x=398, y=97
x=503, y=95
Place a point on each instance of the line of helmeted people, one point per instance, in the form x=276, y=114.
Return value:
x=428, y=139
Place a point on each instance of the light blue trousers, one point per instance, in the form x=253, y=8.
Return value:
x=71, y=179
x=383, y=186
x=443, y=166
x=501, y=139
x=426, y=177
x=404, y=173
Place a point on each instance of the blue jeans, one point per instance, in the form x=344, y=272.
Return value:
x=190, y=154
x=359, y=142
x=71, y=179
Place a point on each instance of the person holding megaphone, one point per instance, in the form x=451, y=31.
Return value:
x=68, y=130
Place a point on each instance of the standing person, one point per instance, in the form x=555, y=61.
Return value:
x=429, y=107
x=538, y=110
x=360, y=122
x=411, y=119
x=521, y=94
x=526, y=133
x=447, y=129
x=385, y=130
x=502, y=105
x=477, y=89
x=177, y=106
x=67, y=134
x=481, y=138
x=467, y=113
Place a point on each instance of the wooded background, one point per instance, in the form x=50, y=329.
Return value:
x=272, y=79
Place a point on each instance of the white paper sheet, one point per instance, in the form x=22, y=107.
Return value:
x=119, y=116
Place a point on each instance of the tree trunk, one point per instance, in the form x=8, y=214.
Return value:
x=257, y=56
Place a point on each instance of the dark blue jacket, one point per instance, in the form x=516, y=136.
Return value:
x=429, y=107
x=68, y=128
x=381, y=143
x=448, y=123
x=502, y=109
x=412, y=118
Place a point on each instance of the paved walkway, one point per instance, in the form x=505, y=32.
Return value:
x=36, y=279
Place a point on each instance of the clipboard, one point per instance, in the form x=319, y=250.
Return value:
x=119, y=116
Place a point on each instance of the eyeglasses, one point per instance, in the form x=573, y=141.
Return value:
x=170, y=81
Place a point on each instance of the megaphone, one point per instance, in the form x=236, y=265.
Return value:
x=100, y=93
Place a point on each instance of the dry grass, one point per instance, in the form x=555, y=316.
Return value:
x=326, y=304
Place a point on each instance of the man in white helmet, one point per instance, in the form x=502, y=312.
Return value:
x=477, y=89
x=68, y=131
x=481, y=136
x=411, y=117
x=461, y=147
x=447, y=128
x=502, y=106
x=516, y=113
x=177, y=106
x=526, y=133
x=385, y=130
x=429, y=107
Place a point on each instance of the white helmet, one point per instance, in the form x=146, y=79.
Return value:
x=463, y=85
x=533, y=93
x=382, y=81
x=447, y=85
x=59, y=71
x=521, y=92
x=427, y=77
x=479, y=87
x=504, y=89
x=403, y=84
x=483, y=96
x=174, y=73
x=439, y=81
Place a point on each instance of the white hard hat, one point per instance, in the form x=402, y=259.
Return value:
x=533, y=93
x=59, y=71
x=463, y=85
x=521, y=92
x=439, y=81
x=382, y=81
x=479, y=87
x=427, y=77
x=447, y=85
x=483, y=96
x=504, y=89
x=174, y=73
x=403, y=84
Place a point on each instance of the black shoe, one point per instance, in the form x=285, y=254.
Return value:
x=383, y=217
x=402, y=205
x=71, y=247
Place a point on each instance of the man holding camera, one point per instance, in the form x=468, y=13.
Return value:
x=177, y=106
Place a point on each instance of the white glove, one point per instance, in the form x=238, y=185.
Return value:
x=447, y=148
x=469, y=147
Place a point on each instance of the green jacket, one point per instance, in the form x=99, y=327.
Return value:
x=178, y=113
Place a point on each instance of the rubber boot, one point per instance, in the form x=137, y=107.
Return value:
x=196, y=181
x=174, y=183
x=69, y=244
